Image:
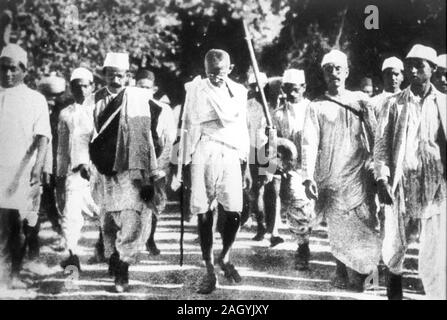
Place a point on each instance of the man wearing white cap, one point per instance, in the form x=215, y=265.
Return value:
x=392, y=76
x=75, y=129
x=123, y=152
x=440, y=76
x=24, y=136
x=288, y=119
x=336, y=152
x=289, y=115
x=410, y=168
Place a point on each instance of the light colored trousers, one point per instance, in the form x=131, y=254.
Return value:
x=395, y=242
x=78, y=199
x=433, y=255
x=126, y=231
x=432, y=249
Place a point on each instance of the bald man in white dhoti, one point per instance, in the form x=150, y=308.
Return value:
x=216, y=145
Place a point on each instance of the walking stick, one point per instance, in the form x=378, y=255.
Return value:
x=270, y=131
x=178, y=156
x=182, y=223
x=254, y=65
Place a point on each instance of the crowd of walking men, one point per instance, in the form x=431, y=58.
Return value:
x=373, y=169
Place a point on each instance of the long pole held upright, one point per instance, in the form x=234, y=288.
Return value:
x=254, y=65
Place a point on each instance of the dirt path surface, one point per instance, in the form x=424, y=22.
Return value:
x=267, y=273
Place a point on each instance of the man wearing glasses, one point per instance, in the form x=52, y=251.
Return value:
x=123, y=152
x=217, y=143
x=336, y=157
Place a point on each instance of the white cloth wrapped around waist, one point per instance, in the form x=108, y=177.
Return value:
x=25, y=198
x=15, y=186
x=231, y=135
x=76, y=184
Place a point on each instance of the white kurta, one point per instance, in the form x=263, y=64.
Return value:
x=289, y=122
x=75, y=130
x=334, y=155
x=378, y=101
x=408, y=151
x=167, y=131
x=23, y=116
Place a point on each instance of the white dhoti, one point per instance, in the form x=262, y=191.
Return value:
x=17, y=193
x=119, y=192
x=394, y=240
x=126, y=231
x=215, y=176
x=125, y=217
x=23, y=117
x=78, y=200
x=433, y=254
x=353, y=239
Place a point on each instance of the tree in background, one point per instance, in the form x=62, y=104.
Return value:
x=60, y=38
x=313, y=27
x=217, y=24
x=171, y=37
x=166, y=36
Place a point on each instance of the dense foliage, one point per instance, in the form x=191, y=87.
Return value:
x=170, y=37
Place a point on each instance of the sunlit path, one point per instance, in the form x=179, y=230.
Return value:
x=267, y=273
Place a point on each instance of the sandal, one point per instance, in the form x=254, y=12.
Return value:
x=207, y=284
x=230, y=271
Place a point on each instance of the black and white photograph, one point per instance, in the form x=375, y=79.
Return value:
x=229, y=150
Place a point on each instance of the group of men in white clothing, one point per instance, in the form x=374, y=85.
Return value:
x=374, y=169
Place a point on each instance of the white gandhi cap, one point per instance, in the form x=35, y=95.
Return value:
x=294, y=76
x=119, y=60
x=423, y=52
x=15, y=52
x=262, y=78
x=394, y=63
x=441, y=61
x=336, y=57
x=52, y=84
x=81, y=73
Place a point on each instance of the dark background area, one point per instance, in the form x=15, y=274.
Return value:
x=171, y=37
